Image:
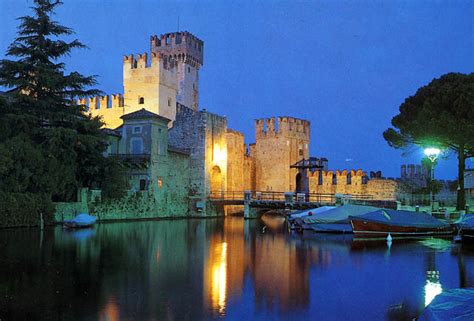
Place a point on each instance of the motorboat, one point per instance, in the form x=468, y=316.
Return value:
x=80, y=221
x=385, y=222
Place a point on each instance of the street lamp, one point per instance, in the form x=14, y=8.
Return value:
x=432, y=154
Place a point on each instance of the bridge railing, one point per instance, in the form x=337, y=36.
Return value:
x=280, y=196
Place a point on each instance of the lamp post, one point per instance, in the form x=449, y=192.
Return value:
x=432, y=154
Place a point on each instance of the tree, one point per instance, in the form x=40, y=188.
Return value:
x=49, y=146
x=440, y=114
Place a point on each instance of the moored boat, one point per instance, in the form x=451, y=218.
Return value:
x=453, y=304
x=334, y=220
x=466, y=228
x=383, y=222
x=80, y=221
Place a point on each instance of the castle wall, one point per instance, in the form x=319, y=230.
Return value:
x=249, y=171
x=382, y=189
x=204, y=135
x=235, y=160
x=337, y=183
x=279, y=144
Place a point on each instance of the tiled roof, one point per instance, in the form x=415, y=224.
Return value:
x=143, y=114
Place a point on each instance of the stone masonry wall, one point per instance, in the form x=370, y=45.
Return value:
x=235, y=160
x=338, y=183
x=279, y=144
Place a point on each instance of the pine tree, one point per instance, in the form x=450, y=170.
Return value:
x=49, y=147
x=37, y=79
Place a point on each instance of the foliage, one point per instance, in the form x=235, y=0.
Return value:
x=48, y=146
x=440, y=114
x=24, y=209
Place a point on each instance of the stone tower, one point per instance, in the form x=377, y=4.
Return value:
x=280, y=143
x=186, y=50
x=150, y=84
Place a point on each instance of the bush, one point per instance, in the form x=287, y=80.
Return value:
x=24, y=209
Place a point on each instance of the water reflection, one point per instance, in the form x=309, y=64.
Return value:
x=210, y=269
x=432, y=287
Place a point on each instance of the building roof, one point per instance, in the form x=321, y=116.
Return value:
x=143, y=114
x=311, y=162
x=111, y=132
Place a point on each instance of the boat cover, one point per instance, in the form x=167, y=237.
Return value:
x=403, y=218
x=315, y=211
x=339, y=214
x=455, y=304
x=467, y=221
x=331, y=227
x=83, y=219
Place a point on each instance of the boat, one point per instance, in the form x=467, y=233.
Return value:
x=453, y=304
x=466, y=228
x=80, y=221
x=386, y=222
x=334, y=220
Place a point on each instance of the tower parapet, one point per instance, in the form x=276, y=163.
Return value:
x=185, y=53
x=289, y=127
x=140, y=61
x=182, y=46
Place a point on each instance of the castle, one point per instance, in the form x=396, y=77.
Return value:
x=181, y=153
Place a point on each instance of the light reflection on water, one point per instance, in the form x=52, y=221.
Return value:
x=216, y=268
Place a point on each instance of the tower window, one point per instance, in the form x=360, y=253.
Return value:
x=168, y=40
x=137, y=129
x=141, y=100
x=169, y=102
x=189, y=70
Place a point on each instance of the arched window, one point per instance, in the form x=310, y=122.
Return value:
x=141, y=100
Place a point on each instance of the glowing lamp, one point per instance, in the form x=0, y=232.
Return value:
x=432, y=153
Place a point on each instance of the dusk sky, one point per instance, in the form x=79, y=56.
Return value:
x=344, y=65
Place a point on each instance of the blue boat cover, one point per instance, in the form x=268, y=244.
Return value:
x=314, y=211
x=339, y=214
x=403, y=218
x=84, y=218
x=455, y=304
x=467, y=221
x=331, y=227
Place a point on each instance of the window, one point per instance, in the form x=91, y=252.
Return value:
x=142, y=184
x=300, y=152
x=168, y=40
x=137, y=129
x=189, y=70
x=160, y=182
x=169, y=102
x=141, y=100
x=136, y=146
x=194, y=86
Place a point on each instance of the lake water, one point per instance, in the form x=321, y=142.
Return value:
x=220, y=269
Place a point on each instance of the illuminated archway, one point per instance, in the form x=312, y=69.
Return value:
x=216, y=179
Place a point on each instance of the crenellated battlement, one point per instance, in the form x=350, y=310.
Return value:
x=101, y=102
x=282, y=127
x=182, y=46
x=141, y=61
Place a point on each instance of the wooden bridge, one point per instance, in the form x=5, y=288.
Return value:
x=254, y=200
